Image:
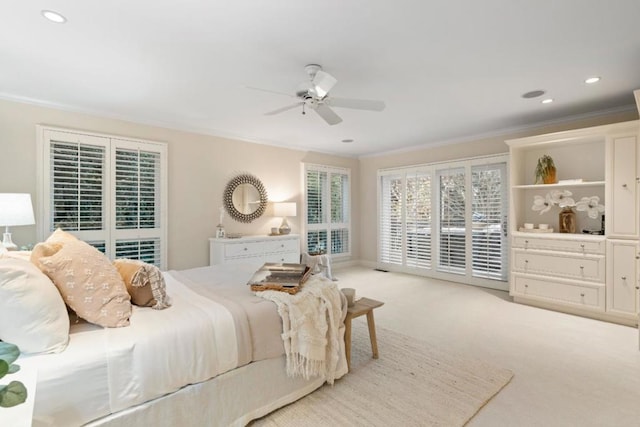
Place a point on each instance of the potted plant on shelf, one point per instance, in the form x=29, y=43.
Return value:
x=545, y=170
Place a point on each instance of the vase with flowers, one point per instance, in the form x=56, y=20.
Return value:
x=564, y=200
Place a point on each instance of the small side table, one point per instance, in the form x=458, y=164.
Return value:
x=361, y=307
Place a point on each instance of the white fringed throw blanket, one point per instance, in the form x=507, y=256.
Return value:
x=311, y=322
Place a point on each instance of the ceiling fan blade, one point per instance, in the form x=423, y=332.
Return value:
x=323, y=82
x=283, y=109
x=269, y=91
x=327, y=114
x=357, y=104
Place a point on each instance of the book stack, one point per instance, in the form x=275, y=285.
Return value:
x=278, y=276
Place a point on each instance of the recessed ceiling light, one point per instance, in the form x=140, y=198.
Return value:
x=592, y=80
x=54, y=16
x=533, y=94
x=547, y=101
x=347, y=141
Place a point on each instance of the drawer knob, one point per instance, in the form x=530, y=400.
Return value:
x=582, y=294
x=245, y=249
x=624, y=277
x=637, y=287
x=582, y=267
x=526, y=242
x=624, y=185
x=526, y=286
x=582, y=245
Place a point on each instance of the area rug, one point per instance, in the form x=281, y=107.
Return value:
x=411, y=384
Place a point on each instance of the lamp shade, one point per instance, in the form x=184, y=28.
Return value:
x=16, y=209
x=284, y=209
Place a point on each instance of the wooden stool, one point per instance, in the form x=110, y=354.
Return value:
x=361, y=307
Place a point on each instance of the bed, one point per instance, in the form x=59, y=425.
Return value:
x=215, y=358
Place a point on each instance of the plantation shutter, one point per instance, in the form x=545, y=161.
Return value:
x=106, y=191
x=489, y=221
x=339, y=213
x=390, y=238
x=317, y=238
x=418, y=219
x=328, y=216
x=452, y=228
x=137, y=203
x=75, y=174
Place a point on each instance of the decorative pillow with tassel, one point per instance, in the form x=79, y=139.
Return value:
x=144, y=283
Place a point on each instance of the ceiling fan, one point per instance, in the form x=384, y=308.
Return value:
x=314, y=94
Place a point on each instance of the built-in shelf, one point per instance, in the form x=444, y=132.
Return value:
x=574, y=184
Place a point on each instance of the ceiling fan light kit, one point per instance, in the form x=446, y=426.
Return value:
x=314, y=94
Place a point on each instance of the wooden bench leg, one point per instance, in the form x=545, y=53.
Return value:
x=372, y=334
x=347, y=340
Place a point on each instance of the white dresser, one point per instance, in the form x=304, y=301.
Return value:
x=565, y=269
x=258, y=249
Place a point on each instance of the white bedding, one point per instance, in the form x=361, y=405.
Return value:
x=106, y=370
x=174, y=366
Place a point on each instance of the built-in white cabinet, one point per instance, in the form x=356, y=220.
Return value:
x=559, y=269
x=622, y=278
x=622, y=185
x=255, y=249
x=580, y=273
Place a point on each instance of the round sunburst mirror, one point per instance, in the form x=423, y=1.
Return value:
x=245, y=198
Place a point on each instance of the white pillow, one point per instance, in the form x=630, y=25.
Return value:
x=33, y=315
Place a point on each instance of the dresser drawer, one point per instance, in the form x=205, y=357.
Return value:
x=243, y=249
x=549, y=243
x=576, y=294
x=289, y=245
x=258, y=249
x=563, y=264
x=292, y=257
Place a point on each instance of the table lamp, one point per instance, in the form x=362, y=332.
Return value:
x=284, y=209
x=15, y=209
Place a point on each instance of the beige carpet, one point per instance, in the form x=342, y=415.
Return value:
x=410, y=384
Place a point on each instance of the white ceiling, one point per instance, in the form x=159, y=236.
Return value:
x=448, y=70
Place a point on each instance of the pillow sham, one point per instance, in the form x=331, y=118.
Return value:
x=144, y=283
x=32, y=313
x=89, y=284
x=62, y=237
x=43, y=249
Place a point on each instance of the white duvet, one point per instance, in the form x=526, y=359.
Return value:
x=106, y=370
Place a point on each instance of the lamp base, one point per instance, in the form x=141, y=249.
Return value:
x=7, y=243
x=284, y=227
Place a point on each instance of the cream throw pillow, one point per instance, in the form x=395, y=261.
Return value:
x=32, y=313
x=144, y=283
x=89, y=284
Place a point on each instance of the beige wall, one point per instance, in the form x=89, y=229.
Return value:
x=482, y=147
x=201, y=165
x=199, y=168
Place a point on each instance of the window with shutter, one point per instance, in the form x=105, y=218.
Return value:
x=451, y=229
x=489, y=221
x=109, y=192
x=418, y=219
x=466, y=241
x=390, y=235
x=327, y=210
